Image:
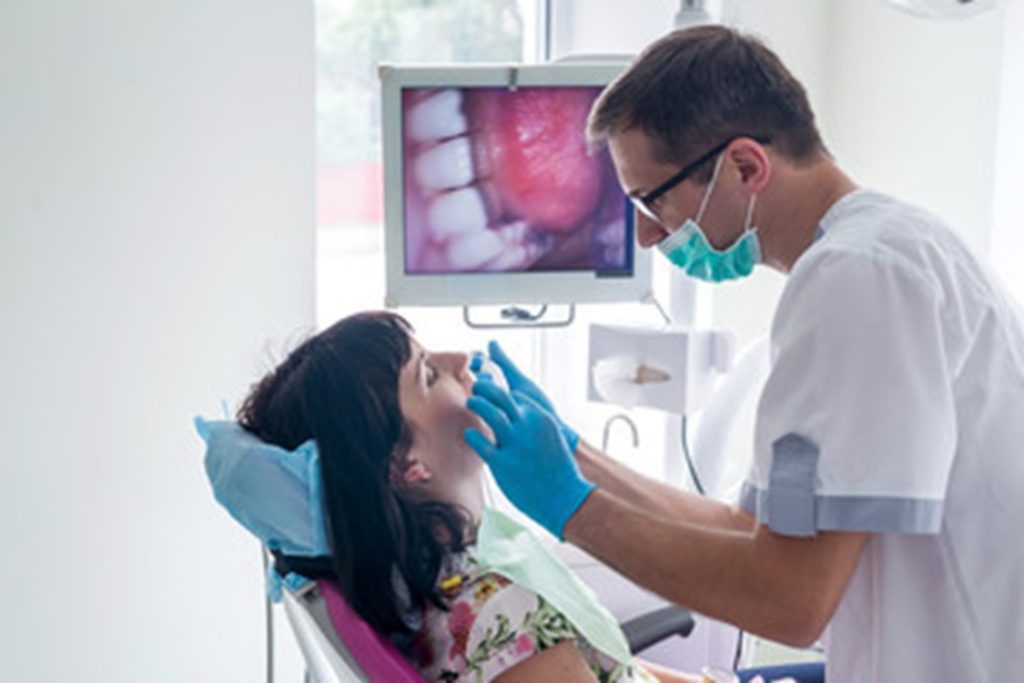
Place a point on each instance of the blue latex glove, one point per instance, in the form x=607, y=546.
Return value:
x=530, y=460
x=518, y=382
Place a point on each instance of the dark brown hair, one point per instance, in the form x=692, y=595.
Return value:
x=698, y=87
x=341, y=389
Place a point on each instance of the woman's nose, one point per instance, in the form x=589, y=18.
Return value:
x=455, y=362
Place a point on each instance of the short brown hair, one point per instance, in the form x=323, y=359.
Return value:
x=698, y=87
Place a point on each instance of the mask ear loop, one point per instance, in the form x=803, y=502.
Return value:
x=750, y=213
x=711, y=187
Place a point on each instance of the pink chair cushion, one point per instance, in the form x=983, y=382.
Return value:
x=379, y=659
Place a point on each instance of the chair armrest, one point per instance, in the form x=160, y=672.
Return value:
x=654, y=627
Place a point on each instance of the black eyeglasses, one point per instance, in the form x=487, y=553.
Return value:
x=645, y=202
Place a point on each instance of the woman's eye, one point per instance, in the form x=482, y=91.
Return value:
x=431, y=375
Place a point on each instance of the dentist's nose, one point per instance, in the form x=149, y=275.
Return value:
x=648, y=231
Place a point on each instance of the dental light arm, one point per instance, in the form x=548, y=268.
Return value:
x=945, y=9
x=691, y=13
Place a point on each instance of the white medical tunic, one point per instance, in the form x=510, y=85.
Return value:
x=895, y=405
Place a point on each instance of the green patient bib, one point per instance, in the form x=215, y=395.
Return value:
x=506, y=547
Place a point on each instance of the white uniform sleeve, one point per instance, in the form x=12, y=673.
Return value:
x=856, y=427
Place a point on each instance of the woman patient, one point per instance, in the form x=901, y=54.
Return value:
x=404, y=495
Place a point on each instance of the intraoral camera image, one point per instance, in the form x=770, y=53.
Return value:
x=501, y=180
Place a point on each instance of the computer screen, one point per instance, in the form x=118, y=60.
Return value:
x=492, y=194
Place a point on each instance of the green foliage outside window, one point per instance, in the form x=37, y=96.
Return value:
x=353, y=36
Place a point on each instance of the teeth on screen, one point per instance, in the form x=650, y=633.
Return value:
x=474, y=250
x=514, y=232
x=445, y=166
x=457, y=212
x=516, y=256
x=437, y=117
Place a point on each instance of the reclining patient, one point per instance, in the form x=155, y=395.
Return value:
x=403, y=497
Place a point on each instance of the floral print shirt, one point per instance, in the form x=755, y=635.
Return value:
x=492, y=625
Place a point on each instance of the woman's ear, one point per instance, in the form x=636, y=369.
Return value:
x=408, y=472
x=417, y=472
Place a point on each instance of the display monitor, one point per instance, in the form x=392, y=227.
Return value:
x=492, y=195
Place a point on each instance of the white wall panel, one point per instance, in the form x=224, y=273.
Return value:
x=156, y=225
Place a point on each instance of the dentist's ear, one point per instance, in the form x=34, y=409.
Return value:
x=752, y=162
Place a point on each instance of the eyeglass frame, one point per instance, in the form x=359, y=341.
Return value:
x=645, y=202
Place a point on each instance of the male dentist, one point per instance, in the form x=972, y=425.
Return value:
x=884, y=505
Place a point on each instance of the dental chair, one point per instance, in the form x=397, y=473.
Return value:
x=339, y=647
x=275, y=495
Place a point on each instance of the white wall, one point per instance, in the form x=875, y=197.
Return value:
x=1007, y=243
x=156, y=225
x=608, y=27
x=914, y=108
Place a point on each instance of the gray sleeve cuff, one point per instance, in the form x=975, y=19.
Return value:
x=791, y=507
x=748, y=498
x=875, y=514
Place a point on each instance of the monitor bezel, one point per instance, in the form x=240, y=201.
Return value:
x=466, y=289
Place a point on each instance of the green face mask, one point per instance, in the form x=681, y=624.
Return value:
x=688, y=249
x=506, y=547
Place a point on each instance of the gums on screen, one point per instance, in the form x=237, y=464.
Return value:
x=500, y=180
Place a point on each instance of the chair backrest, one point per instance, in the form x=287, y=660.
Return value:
x=327, y=659
x=379, y=659
x=338, y=646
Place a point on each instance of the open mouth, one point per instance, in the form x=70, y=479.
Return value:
x=502, y=180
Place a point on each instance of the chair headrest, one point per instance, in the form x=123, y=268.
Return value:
x=274, y=493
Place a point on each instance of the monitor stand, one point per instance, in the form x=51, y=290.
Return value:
x=518, y=317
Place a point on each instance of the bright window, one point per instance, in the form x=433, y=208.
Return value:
x=353, y=36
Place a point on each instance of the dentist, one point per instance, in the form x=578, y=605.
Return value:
x=888, y=479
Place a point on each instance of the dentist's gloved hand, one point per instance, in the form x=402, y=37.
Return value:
x=518, y=382
x=530, y=460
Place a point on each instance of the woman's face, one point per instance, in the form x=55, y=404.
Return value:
x=433, y=388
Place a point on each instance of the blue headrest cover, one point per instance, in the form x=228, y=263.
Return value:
x=274, y=493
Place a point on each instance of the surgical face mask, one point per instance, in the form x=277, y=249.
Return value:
x=688, y=249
